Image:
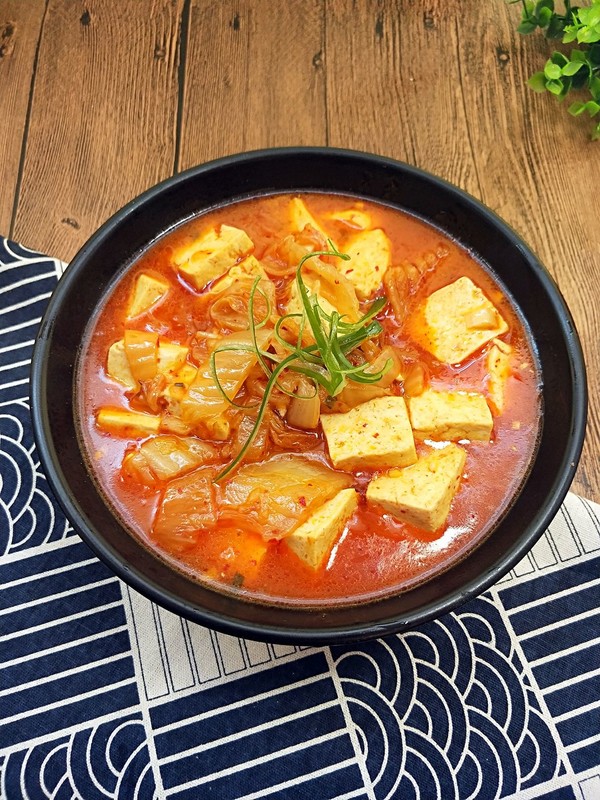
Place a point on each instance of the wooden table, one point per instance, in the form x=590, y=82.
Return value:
x=103, y=98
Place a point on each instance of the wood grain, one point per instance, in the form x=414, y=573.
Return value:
x=103, y=116
x=539, y=170
x=393, y=85
x=20, y=25
x=124, y=94
x=254, y=78
x=417, y=72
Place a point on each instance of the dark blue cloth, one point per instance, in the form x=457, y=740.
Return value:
x=104, y=695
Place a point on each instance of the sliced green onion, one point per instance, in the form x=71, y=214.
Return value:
x=325, y=362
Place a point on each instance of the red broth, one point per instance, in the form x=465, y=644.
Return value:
x=376, y=553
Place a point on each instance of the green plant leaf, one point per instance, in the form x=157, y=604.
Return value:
x=559, y=58
x=555, y=87
x=526, y=27
x=587, y=36
x=552, y=71
x=547, y=5
x=537, y=82
x=556, y=28
x=576, y=109
x=572, y=67
x=593, y=55
x=579, y=55
x=589, y=16
x=592, y=108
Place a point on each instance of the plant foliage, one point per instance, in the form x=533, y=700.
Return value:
x=578, y=69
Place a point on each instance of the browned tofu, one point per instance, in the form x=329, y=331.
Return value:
x=450, y=416
x=312, y=540
x=456, y=321
x=421, y=494
x=375, y=435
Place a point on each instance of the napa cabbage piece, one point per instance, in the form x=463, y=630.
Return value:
x=334, y=292
x=141, y=349
x=281, y=493
x=187, y=507
x=165, y=358
x=230, y=309
x=165, y=457
x=355, y=394
x=260, y=443
x=300, y=217
x=203, y=402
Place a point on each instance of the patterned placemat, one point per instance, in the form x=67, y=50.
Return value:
x=105, y=695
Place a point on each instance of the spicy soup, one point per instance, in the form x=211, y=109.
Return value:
x=308, y=399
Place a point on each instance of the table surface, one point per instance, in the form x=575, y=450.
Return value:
x=102, y=99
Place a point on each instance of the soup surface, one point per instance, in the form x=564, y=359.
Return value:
x=308, y=398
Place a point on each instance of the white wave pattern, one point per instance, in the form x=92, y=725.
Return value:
x=108, y=761
x=423, y=702
x=29, y=515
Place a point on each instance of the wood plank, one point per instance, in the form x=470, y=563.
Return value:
x=103, y=117
x=437, y=84
x=254, y=77
x=413, y=82
x=20, y=26
x=392, y=84
x=540, y=172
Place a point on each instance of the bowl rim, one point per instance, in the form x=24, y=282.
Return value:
x=277, y=633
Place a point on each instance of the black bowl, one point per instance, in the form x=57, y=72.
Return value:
x=132, y=229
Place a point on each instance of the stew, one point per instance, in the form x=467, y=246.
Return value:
x=309, y=399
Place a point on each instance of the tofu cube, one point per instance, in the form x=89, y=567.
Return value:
x=171, y=356
x=300, y=217
x=373, y=435
x=353, y=218
x=312, y=541
x=450, y=416
x=456, y=321
x=421, y=494
x=212, y=255
x=498, y=367
x=250, y=267
x=130, y=424
x=117, y=366
x=146, y=293
x=370, y=255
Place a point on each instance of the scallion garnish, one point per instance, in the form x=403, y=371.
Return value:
x=325, y=362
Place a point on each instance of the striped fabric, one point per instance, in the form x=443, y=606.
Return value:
x=105, y=695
